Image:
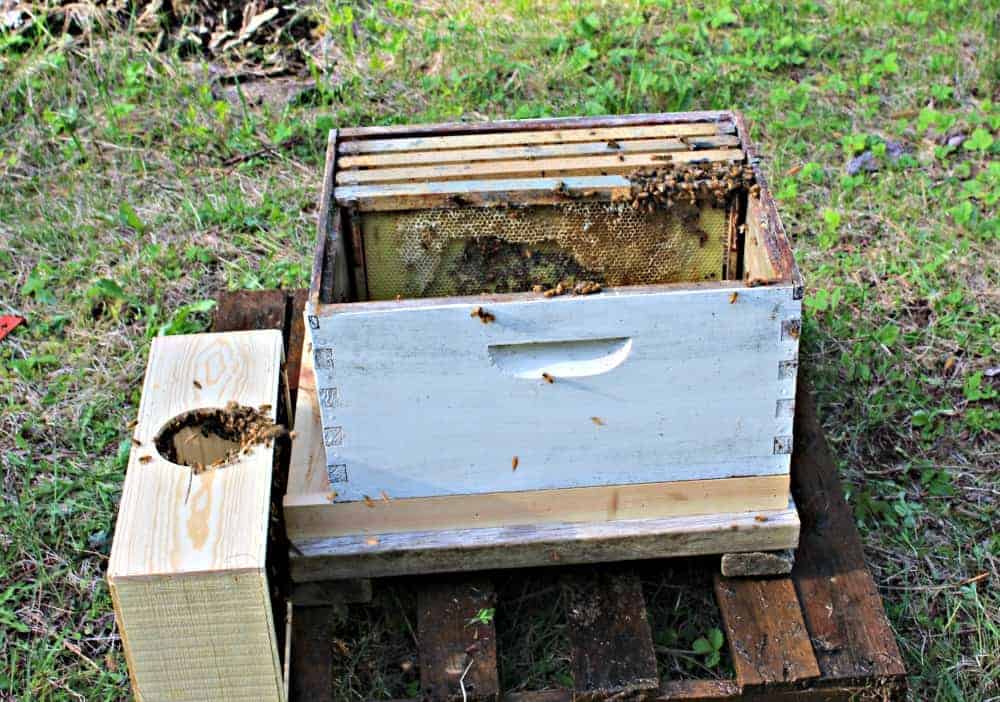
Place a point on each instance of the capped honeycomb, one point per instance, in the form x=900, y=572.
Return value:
x=472, y=250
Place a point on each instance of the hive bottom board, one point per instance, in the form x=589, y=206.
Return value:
x=818, y=634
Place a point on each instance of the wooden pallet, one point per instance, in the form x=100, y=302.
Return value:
x=818, y=634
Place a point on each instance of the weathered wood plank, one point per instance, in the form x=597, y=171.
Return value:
x=295, y=345
x=622, y=163
x=311, y=669
x=412, y=158
x=458, y=650
x=756, y=563
x=241, y=310
x=331, y=592
x=517, y=138
x=551, y=544
x=767, y=637
x=724, y=118
x=655, y=366
x=840, y=604
x=612, y=647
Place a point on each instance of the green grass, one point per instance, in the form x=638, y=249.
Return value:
x=127, y=200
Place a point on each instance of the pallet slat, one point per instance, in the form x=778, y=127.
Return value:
x=538, y=168
x=458, y=646
x=767, y=637
x=840, y=604
x=551, y=136
x=609, y=147
x=612, y=647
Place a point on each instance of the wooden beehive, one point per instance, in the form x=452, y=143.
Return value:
x=454, y=392
x=187, y=569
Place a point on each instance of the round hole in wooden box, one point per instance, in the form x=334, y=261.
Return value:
x=213, y=437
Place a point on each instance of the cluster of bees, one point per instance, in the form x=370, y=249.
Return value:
x=662, y=187
x=583, y=287
x=246, y=426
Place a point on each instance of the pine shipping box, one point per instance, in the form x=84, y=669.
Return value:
x=544, y=334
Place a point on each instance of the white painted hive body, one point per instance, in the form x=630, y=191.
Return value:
x=656, y=396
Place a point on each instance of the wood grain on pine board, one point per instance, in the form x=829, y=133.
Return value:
x=316, y=515
x=543, y=136
x=611, y=644
x=189, y=548
x=458, y=647
x=767, y=638
x=490, y=153
x=534, y=168
x=427, y=400
x=455, y=550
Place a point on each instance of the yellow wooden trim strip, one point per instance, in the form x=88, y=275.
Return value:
x=313, y=516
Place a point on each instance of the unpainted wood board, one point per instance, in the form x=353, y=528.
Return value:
x=545, y=544
x=767, y=638
x=622, y=163
x=189, y=547
x=611, y=644
x=431, y=401
x=398, y=196
x=458, y=648
x=489, y=153
x=307, y=474
x=544, y=136
x=316, y=515
x=841, y=606
x=724, y=118
x=311, y=669
x=331, y=592
x=242, y=310
x=194, y=637
x=757, y=563
x=216, y=520
x=757, y=264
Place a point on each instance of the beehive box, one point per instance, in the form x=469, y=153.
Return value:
x=549, y=321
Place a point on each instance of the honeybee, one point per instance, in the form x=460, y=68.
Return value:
x=145, y=459
x=484, y=316
x=598, y=421
x=548, y=378
x=513, y=462
x=196, y=384
x=732, y=298
x=369, y=502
